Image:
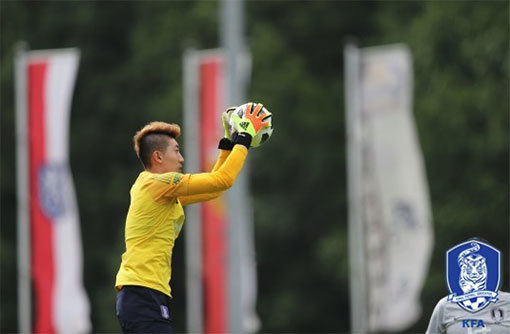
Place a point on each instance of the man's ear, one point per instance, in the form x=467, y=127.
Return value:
x=156, y=156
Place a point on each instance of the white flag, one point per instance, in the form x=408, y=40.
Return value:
x=397, y=208
x=390, y=233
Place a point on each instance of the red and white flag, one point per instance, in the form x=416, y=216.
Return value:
x=217, y=298
x=61, y=303
x=214, y=222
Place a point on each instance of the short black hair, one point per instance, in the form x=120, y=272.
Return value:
x=155, y=141
x=152, y=137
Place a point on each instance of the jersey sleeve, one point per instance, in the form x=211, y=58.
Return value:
x=436, y=325
x=177, y=185
x=187, y=200
x=221, y=159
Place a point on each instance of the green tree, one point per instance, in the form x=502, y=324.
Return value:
x=461, y=57
x=130, y=73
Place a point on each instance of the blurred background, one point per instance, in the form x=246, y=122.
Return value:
x=131, y=73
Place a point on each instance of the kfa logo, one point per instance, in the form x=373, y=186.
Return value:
x=473, y=274
x=475, y=326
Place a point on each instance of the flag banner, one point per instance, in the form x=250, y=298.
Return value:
x=214, y=221
x=396, y=214
x=208, y=247
x=61, y=303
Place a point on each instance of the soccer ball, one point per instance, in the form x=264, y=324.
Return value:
x=265, y=133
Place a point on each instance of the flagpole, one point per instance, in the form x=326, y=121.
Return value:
x=23, y=228
x=231, y=39
x=193, y=235
x=358, y=285
x=239, y=213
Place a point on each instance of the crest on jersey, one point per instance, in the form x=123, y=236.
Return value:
x=473, y=274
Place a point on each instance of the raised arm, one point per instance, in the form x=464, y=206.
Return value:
x=176, y=185
x=225, y=147
x=245, y=125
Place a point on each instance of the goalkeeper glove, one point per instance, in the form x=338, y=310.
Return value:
x=252, y=121
x=225, y=118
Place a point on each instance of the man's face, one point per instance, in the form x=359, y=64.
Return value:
x=171, y=159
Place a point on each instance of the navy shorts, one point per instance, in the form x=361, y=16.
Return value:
x=143, y=310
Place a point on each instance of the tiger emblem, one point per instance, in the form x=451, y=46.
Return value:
x=473, y=270
x=473, y=274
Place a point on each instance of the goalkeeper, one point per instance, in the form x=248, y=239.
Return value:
x=156, y=216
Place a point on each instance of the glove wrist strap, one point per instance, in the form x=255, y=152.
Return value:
x=242, y=138
x=225, y=144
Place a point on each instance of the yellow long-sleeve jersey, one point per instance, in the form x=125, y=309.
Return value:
x=156, y=216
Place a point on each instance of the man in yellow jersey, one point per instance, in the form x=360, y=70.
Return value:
x=156, y=216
